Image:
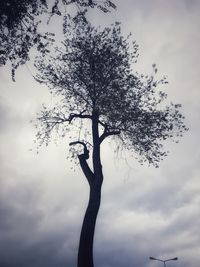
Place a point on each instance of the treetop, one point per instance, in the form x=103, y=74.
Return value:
x=94, y=73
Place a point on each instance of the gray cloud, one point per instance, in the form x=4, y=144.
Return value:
x=145, y=211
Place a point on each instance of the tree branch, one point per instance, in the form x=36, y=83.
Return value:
x=108, y=132
x=55, y=119
x=83, y=163
x=80, y=115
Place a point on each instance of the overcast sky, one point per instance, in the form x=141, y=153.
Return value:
x=145, y=211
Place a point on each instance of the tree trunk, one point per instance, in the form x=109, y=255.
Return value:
x=95, y=179
x=85, y=253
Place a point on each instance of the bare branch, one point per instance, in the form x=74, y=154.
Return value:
x=80, y=115
x=86, y=151
x=83, y=163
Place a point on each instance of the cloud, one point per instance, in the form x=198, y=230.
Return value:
x=31, y=233
x=145, y=211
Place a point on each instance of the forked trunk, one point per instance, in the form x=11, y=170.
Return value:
x=95, y=179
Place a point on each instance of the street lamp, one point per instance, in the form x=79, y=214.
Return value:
x=173, y=259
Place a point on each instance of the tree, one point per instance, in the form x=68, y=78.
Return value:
x=92, y=74
x=19, y=21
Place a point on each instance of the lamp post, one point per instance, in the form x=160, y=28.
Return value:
x=155, y=259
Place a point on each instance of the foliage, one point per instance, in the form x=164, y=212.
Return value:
x=19, y=26
x=93, y=73
x=18, y=30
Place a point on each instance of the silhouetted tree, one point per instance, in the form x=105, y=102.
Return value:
x=92, y=74
x=19, y=20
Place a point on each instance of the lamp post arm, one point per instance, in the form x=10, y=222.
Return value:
x=164, y=261
x=173, y=259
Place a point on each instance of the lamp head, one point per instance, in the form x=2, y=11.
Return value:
x=152, y=258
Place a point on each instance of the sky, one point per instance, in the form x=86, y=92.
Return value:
x=145, y=211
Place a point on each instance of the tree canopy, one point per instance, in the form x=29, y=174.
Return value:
x=19, y=21
x=94, y=72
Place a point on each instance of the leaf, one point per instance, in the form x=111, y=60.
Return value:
x=111, y=4
x=104, y=9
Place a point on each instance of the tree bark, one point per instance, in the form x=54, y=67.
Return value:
x=85, y=253
x=95, y=179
